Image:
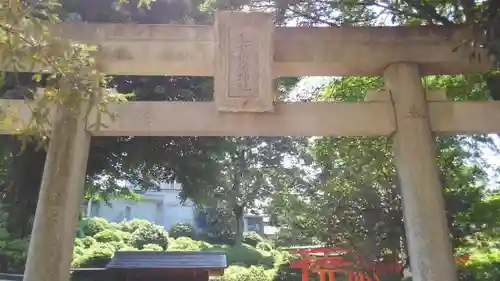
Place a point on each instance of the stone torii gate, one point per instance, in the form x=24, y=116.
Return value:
x=244, y=52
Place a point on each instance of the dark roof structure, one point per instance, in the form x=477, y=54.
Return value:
x=10, y=277
x=168, y=260
x=156, y=266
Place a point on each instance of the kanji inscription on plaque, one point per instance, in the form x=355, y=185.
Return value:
x=241, y=77
x=243, y=60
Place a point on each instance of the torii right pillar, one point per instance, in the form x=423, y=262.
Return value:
x=428, y=239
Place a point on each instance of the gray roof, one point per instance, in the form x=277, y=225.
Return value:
x=167, y=260
x=9, y=277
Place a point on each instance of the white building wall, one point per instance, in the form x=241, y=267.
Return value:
x=162, y=207
x=116, y=211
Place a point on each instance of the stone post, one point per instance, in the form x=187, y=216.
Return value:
x=52, y=241
x=429, y=244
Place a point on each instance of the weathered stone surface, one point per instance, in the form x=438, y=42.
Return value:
x=243, y=62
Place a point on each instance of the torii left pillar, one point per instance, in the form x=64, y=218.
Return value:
x=52, y=239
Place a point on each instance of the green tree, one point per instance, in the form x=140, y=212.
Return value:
x=142, y=161
x=246, y=170
x=355, y=200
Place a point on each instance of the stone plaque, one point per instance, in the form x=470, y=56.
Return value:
x=243, y=61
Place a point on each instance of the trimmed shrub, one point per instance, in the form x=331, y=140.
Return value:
x=252, y=238
x=78, y=251
x=246, y=255
x=284, y=257
x=132, y=225
x=152, y=247
x=78, y=242
x=182, y=230
x=88, y=241
x=253, y=273
x=108, y=235
x=285, y=273
x=149, y=234
x=92, y=226
x=247, y=263
x=117, y=245
x=97, y=256
x=263, y=246
x=128, y=249
x=188, y=244
x=79, y=232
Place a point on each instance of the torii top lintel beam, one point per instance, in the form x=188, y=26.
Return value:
x=140, y=49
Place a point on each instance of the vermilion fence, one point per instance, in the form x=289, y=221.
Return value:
x=327, y=262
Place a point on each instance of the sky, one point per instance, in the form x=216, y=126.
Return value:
x=493, y=159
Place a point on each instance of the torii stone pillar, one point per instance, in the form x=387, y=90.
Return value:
x=429, y=244
x=52, y=241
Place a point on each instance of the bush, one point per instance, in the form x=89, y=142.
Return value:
x=128, y=249
x=246, y=255
x=126, y=237
x=253, y=273
x=182, y=230
x=88, y=241
x=92, y=226
x=252, y=238
x=108, y=235
x=284, y=257
x=188, y=244
x=263, y=246
x=149, y=234
x=97, y=256
x=152, y=247
x=260, y=263
x=286, y=273
x=79, y=232
x=132, y=225
x=117, y=245
x=78, y=251
x=482, y=267
x=78, y=242
x=13, y=253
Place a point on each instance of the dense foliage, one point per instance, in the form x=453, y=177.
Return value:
x=182, y=230
x=200, y=164
x=98, y=240
x=354, y=199
x=245, y=261
x=252, y=238
x=12, y=251
x=140, y=161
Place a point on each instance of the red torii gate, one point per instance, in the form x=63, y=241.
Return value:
x=328, y=261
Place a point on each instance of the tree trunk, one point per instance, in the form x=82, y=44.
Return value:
x=238, y=209
x=240, y=224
